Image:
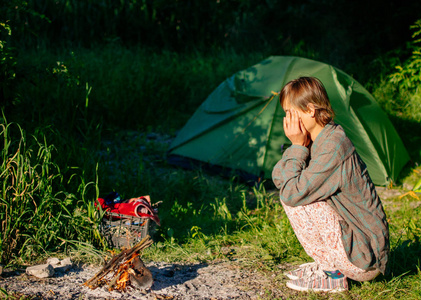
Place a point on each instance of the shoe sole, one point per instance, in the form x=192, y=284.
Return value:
x=304, y=289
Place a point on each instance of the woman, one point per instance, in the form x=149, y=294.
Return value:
x=328, y=195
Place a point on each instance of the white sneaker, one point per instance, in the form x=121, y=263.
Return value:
x=302, y=269
x=321, y=281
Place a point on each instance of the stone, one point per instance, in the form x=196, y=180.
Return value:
x=60, y=265
x=40, y=271
x=64, y=265
x=53, y=261
x=140, y=275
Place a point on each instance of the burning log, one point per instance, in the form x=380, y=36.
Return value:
x=127, y=268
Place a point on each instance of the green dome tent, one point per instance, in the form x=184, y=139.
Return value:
x=239, y=126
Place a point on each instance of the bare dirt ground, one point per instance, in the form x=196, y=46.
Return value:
x=224, y=280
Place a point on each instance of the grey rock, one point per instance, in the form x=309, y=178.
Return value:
x=53, y=261
x=141, y=276
x=41, y=271
x=60, y=265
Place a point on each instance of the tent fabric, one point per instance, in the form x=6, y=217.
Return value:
x=239, y=126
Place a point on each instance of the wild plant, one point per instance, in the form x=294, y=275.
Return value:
x=407, y=78
x=37, y=213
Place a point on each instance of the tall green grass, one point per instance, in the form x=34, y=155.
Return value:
x=38, y=213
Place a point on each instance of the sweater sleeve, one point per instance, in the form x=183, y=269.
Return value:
x=300, y=184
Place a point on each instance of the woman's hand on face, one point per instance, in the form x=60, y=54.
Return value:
x=295, y=130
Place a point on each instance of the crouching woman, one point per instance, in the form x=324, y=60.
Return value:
x=328, y=196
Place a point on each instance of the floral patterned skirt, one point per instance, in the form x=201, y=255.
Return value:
x=317, y=228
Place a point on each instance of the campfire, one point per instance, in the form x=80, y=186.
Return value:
x=124, y=269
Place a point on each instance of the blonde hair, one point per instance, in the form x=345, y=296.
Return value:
x=308, y=90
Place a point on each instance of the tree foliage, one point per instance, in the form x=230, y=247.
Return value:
x=351, y=26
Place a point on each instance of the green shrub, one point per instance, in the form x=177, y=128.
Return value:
x=408, y=76
x=407, y=79
x=400, y=96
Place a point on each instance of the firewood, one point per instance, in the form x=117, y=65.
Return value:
x=115, y=262
x=114, y=280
